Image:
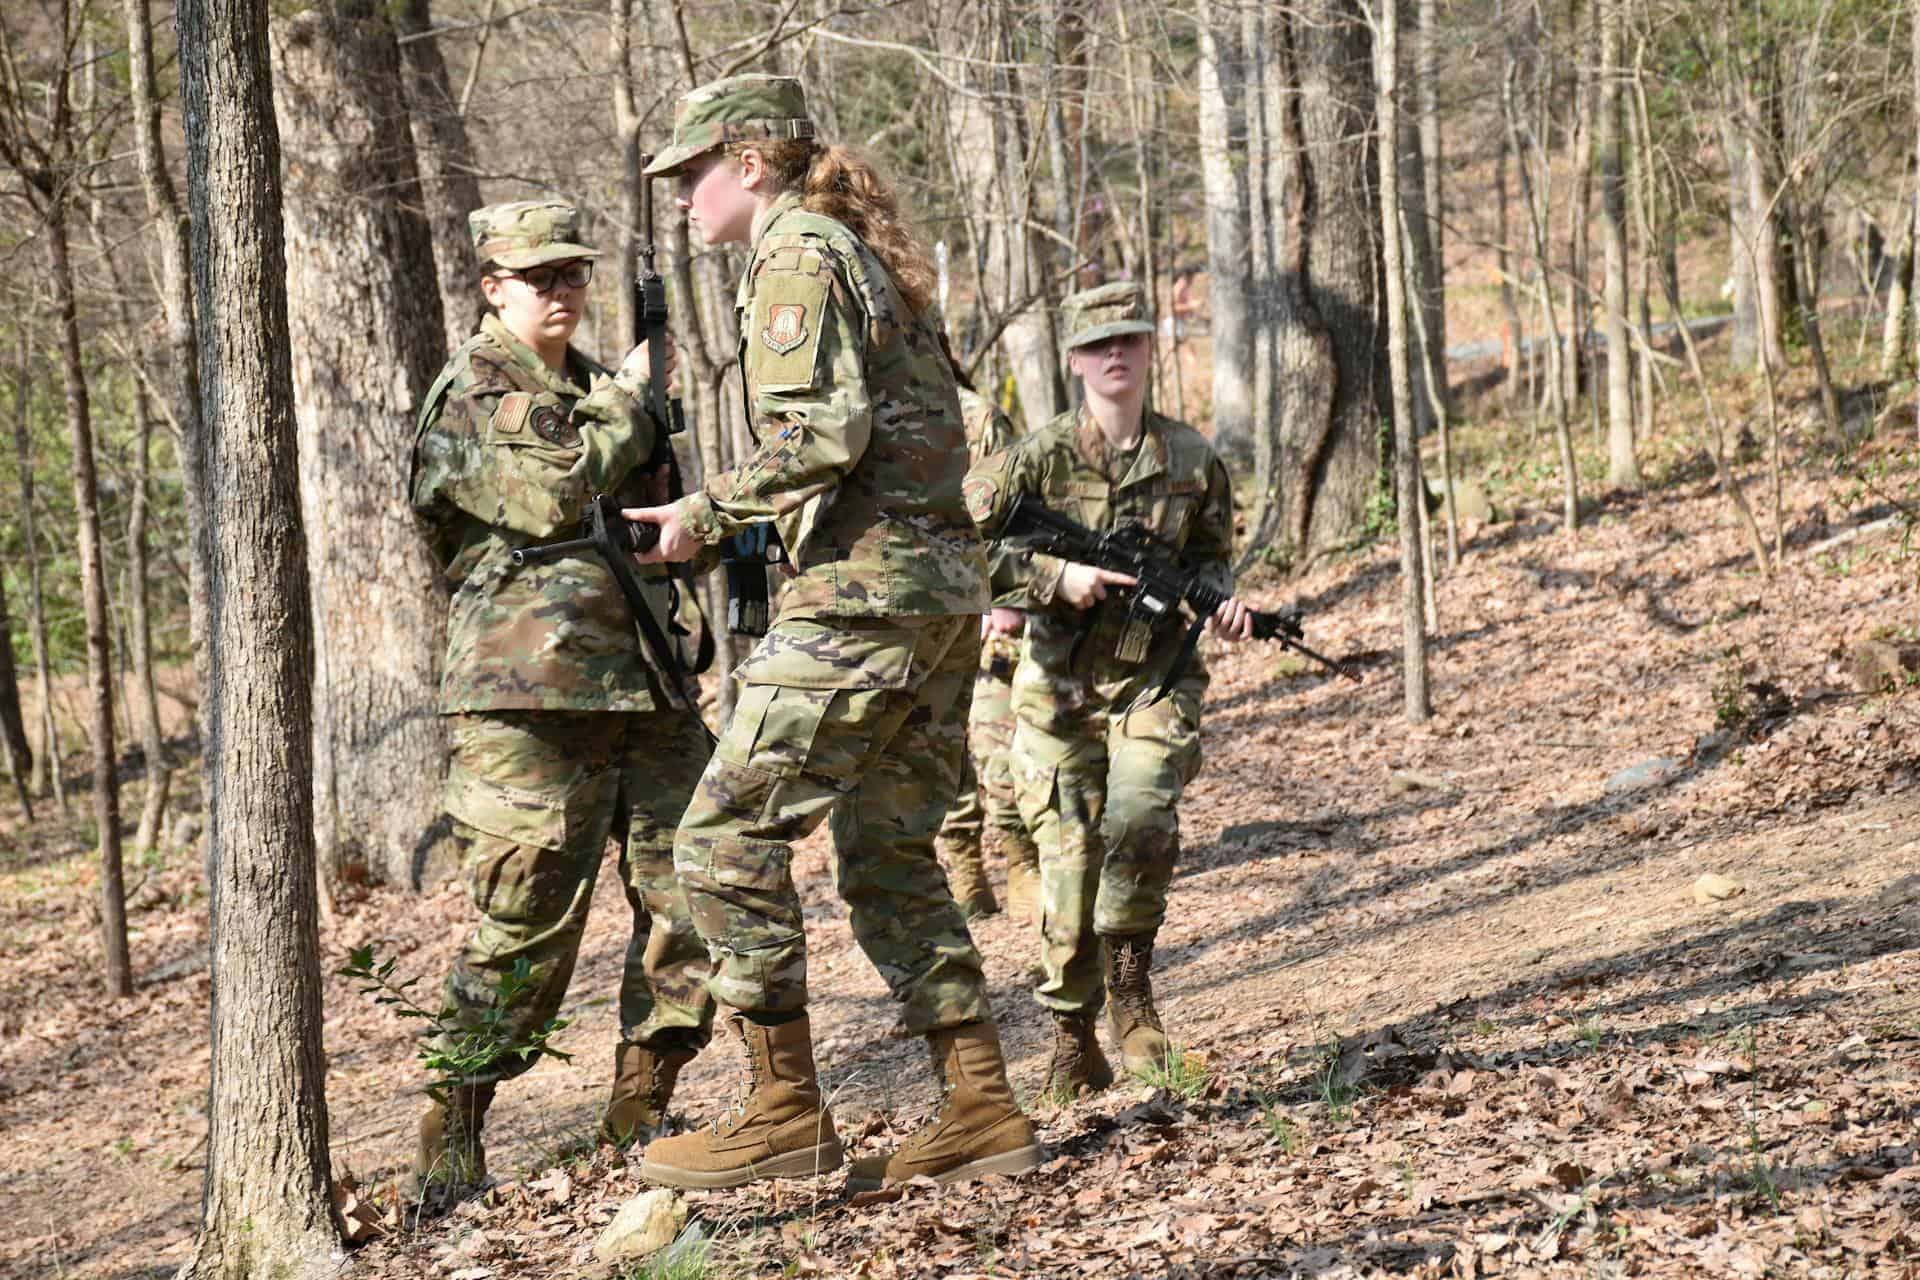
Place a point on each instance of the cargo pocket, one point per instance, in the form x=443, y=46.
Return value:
x=518, y=867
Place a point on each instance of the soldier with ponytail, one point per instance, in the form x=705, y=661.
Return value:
x=855, y=703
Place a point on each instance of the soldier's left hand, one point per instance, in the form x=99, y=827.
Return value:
x=675, y=542
x=637, y=368
x=1232, y=621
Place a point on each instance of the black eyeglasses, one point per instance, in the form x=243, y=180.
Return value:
x=577, y=274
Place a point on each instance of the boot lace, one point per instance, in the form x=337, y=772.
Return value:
x=1132, y=987
x=738, y=1111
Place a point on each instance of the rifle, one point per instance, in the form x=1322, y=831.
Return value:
x=746, y=555
x=1163, y=584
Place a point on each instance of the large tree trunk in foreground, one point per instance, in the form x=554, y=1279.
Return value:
x=265, y=1207
x=93, y=586
x=367, y=334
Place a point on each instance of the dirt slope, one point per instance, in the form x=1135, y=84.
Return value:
x=1457, y=1008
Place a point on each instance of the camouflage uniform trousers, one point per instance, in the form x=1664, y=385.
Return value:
x=885, y=762
x=533, y=796
x=1099, y=781
x=986, y=813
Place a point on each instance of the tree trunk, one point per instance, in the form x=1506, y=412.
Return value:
x=266, y=1209
x=183, y=353
x=1318, y=448
x=1896, y=337
x=1433, y=285
x=1623, y=466
x=47, y=773
x=1221, y=80
x=365, y=313
x=449, y=188
x=93, y=586
x=1514, y=346
x=13, y=728
x=153, y=741
x=997, y=190
x=1530, y=146
x=1580, y=184
x=1409, y=494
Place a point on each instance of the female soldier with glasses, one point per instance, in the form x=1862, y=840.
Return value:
x=555, y=713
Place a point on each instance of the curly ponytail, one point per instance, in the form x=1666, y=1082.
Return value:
x=838, y=184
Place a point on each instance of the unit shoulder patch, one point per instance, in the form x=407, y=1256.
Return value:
x=783, y=342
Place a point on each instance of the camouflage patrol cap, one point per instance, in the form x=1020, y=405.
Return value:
x=527, y=233
x=1105, y=311
x=737, y=109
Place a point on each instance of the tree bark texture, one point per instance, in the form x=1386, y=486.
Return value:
x=448, y=188
x=364, y=306
x=1221, y=78
x=1319, y=362
x=1579, y=219
x=1410, y=497
x=183, y=352
x=266, y=1208
x=93, y=587
x=1623, y=465
x=1433, y=297
x=47, y=773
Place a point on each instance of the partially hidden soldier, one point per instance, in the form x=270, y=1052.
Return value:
x=559, y=722
x=985, y=821
x=855, y=703
x=1100, y=764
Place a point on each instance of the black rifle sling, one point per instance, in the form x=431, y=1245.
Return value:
x=605, y=518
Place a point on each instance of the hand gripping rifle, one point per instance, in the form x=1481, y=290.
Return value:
x=1163, y=587
x=745, y=555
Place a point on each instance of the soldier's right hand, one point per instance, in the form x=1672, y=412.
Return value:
x=1084, y=584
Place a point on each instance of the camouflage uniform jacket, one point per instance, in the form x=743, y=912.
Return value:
x=509, y=453
x=861, y=447
x=1172, y=484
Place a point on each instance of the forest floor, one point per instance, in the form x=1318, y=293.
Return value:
x=1456, y=1000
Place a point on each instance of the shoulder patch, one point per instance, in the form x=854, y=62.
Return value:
x=510, y=415
x=783, y=342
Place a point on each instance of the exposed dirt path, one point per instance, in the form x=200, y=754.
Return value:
x=1458, y=1009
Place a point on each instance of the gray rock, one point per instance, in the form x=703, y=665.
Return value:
x=1648, y=773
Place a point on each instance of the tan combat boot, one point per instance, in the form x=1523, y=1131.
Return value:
x=643, y=1083
x=967, y=878
x=1135, y=1022
x=980, y=1129
x=448, y=1155
x=1077, y=1065
x=1023, y=878
x=780, y=1130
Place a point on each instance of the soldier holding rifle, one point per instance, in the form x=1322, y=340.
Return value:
x=563, y=720
x=1100, y=759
